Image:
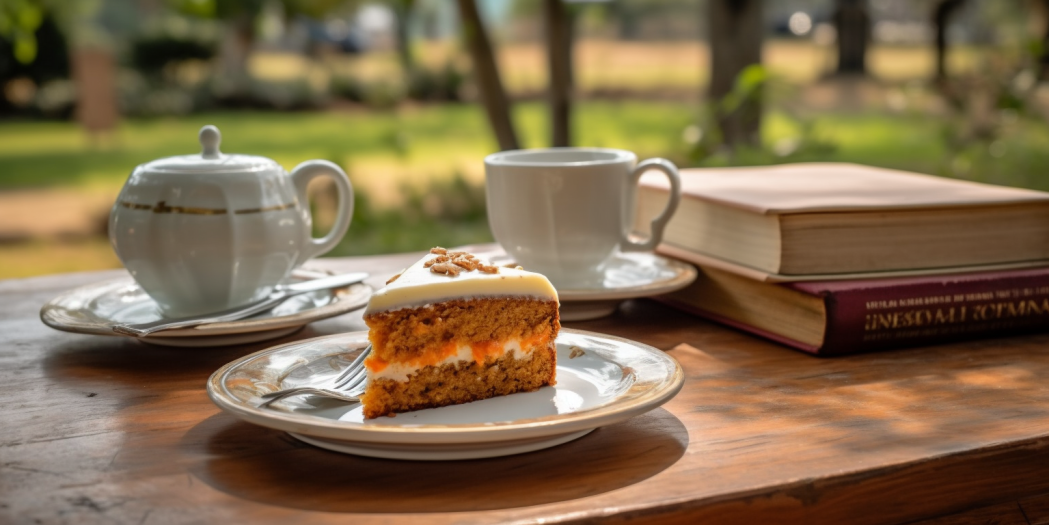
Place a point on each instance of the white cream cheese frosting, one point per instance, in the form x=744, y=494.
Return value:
x=418, y=286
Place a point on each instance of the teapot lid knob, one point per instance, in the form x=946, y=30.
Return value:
x=210, y=138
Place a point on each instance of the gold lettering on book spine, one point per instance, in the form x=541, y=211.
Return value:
x=925, y=317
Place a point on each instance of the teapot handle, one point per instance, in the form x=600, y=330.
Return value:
x=301, y=177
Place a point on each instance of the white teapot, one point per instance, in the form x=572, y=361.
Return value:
x=202, y=233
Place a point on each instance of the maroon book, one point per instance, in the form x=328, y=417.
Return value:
x=874, y=314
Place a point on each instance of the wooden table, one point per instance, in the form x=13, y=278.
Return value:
x=109, y=430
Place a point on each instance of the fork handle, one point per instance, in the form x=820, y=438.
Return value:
x=281, y=394
x=273, y=397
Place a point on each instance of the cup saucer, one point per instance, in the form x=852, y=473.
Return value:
x=97, y=308
x=627, y=276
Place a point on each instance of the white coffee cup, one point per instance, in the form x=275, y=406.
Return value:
x=564, y=212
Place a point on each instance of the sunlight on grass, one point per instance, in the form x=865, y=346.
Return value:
x=385, y=149
x=422, y=141
x=634, y=66
x=415, y=143
x=47, y=257
x=613, y=66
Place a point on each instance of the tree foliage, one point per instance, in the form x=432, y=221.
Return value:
x=228, y=9
x=19, y=20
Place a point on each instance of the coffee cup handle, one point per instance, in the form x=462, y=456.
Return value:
x=660, y=222
x=301, y=177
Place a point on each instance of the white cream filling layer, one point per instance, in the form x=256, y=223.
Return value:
x=400, y=372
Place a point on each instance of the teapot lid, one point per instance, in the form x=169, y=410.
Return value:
x=211, y=160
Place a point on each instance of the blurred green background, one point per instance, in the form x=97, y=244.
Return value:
x=388, y=90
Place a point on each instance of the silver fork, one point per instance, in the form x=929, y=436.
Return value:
x=347, y=386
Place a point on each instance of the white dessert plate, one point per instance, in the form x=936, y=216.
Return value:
x=627, y=276
x=600, y=380
x=97, y=308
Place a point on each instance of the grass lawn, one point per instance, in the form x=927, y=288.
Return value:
x=418, y=143
x=602, y=65
x=419, y=171
x=415, y=141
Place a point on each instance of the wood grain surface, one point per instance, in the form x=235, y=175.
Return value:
x=109, y=430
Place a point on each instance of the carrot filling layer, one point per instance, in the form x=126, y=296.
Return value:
x=455, y=351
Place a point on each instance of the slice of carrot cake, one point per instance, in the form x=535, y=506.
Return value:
x=452, y=329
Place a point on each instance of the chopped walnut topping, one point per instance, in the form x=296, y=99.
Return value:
x=453, y=263
x=466, y=264
x=394, y=278
x=437, y=260
x=446, y=269
x=515, y=266
x=576, y=352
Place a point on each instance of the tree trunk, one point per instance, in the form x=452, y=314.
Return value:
x=853, y=25
x=627, y=17
x=234, y=51
x=735, y=43
x=403, y=10
x=559, y=60
x=1043, y=60
x=95, y=73
x=493, y=95
x=941, y=15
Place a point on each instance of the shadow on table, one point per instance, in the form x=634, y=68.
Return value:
x=268, y=466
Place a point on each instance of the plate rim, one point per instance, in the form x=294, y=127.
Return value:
x=434, y=434
x=348, y=299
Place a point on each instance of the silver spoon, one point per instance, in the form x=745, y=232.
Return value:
x=279, y=294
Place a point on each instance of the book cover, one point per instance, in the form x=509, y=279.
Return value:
x=822, y=221
x=877, y=314
x=701, y=259
x=810, y=187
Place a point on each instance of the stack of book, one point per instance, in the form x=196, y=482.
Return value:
x=841, y=258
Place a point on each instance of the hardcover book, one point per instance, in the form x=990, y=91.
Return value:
x=796, y=221
x=843, y=317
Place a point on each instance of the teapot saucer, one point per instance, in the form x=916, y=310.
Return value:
x=627, y=276
x=97, y=308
